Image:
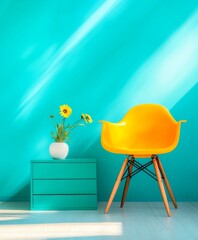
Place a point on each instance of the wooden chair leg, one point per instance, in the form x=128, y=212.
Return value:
x=166, y=182
x=161, y=186
x=116, y=185
x=126, y=186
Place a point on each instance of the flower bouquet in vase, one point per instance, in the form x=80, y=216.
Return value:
x=59, y=148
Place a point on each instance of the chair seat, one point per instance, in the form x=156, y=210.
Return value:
x=138, y=152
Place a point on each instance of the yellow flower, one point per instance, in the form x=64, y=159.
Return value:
x=65, y=111
x=87, y=118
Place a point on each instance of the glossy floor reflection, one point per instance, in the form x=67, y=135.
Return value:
x=138, y=221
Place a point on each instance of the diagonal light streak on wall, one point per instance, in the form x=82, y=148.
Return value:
x=168, y=74
x=72, y=42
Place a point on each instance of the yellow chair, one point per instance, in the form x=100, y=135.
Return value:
x=145, y=131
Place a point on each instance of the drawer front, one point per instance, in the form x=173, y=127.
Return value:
x=64, y=202
x=63, y=170
x=82, y=186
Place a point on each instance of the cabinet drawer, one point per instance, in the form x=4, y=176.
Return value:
x=63, y=170
x=76, y=186
x=64, y=202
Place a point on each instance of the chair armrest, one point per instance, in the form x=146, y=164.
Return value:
x=182, y=121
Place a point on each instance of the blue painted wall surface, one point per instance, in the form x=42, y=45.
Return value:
x=100, y=57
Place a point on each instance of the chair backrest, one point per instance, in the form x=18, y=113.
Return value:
x=149, y=126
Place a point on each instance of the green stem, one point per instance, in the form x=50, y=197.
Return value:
x=74, y=125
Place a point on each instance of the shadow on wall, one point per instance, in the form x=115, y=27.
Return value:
x=22, y=195
x=184, y=164
x=180, y=165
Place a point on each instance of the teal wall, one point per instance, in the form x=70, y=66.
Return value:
x=100, y=57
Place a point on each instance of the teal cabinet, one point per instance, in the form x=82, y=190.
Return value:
x=69, y=184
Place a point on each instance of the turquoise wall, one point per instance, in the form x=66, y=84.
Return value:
x=100, y=57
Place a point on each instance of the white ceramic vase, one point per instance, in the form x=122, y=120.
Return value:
x=59, y=150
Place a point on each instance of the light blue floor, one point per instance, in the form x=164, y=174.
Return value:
x=138, y=221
